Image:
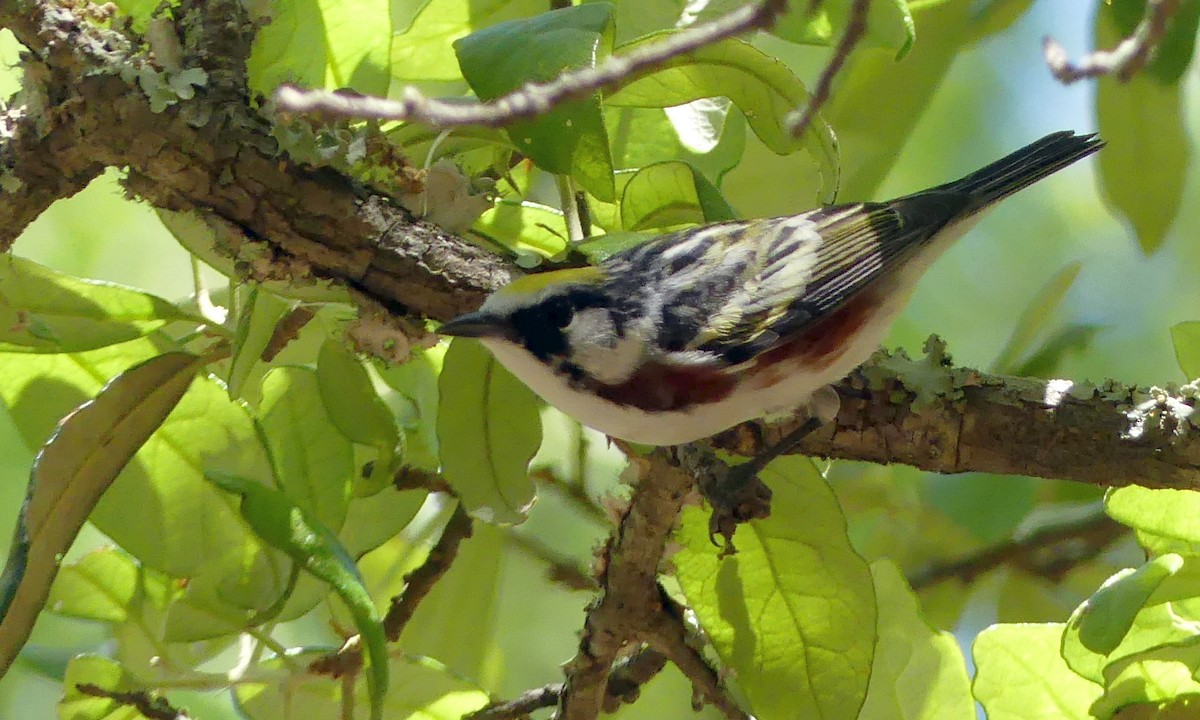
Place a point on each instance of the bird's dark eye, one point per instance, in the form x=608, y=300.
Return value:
x=559, y=312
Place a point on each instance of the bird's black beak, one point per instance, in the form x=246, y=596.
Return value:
x=477, y=325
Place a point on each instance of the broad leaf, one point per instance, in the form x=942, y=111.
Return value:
x=422, y=689
x=303, y=538
x=1165, y=519
x=669, y=194
x=525, y=228
x=323, y=43
x=793, y=613
x=917, y=672
x=569, y=139
x=488, y=431
x=351, y=401
x=70, y=473
x=1185, y=336
x=1019, y=675
x=261, y=313
x=426, y=50
x=1037, y=315
x=763, y=88
x=314, y=463
x=103, y=673
x=99, y=586
x=1144, y=166
x=43, y=311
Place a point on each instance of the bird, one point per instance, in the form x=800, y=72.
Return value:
x=695, y=331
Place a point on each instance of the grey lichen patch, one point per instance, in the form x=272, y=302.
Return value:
x=927, y=381
x=164, y=88
x=1161, y=413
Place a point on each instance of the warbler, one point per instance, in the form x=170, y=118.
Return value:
x=695, y=331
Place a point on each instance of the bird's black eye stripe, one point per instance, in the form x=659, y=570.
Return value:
x=559, y=312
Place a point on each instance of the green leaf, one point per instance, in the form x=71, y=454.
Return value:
x=525, y=227
x=708, y=134
x=70, y=473
x=918, y=673
x=1144, y=166
x=871, y=141
x=1020, y=675
x=570, y=139
x=426, y=50
x=289, y=528
x=1158, y=676
x=103, y=673
x=43, y=311
x=995, y=16
x=314, y=463
x=889, y=23
x=793, y=612
x=602, y=247
x=162, y=511
x=763, y=88
x=1103, y=620
x=39, y=390
x=261, y=312
x=351, y=401
x=323, y=43
x=99, y=586
x=422, y=689
x=488, y=431
x=1165, y=519
x=669, y=194
x=1037, y=315
x=1185, y=336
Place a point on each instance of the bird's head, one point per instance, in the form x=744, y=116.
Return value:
x=566, y=319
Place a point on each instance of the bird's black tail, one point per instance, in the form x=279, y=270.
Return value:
x=1023, y=168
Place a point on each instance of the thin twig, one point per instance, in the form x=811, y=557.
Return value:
x=671, y=637
x=856, y=27
x=1047, y=552
x=562, y=569
x=420, y=581
x=1123, y=61
x=149, y=706
x=534, y=98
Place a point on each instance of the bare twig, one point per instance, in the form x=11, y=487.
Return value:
x=624, y=683
x=1047, y=552
x=149, y=706
x=561, y=569
x=421, y=581
x=798, y=121
x=534, y=98
x=1123, y=61
x=670, y=636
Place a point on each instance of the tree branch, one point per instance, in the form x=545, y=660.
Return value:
x=419, y=582
x=1123, y=61
x=1047, y=552
x=534, y=98
x=856, y=26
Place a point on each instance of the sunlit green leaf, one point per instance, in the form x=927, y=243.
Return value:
x=793, y=612
x=99, y=586
x=103, y=673
x=1144, y=166
x=1165, y=519
x=261, y=313
x=43, y=311
x=1103, y=620
x=323, y=43
x=525, y=227
x=488, y=431
x=644, y=136
x=763, y=88
x=668, y=194
x=1186, y=338
x=314, y=463
x=1019, y=675
x=1155, y=677
x=70, y=473
x=351, y=401
x=289, y=528
x=571, y=138
x=917, y=672
x=422, y=689
x=426, y=50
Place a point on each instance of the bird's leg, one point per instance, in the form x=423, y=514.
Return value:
x=737, y=494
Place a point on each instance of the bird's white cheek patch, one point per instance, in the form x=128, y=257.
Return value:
x=596, y=348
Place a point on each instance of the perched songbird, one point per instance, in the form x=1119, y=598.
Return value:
x=695, y=331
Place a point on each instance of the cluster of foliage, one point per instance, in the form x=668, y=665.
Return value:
x=241, y=458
